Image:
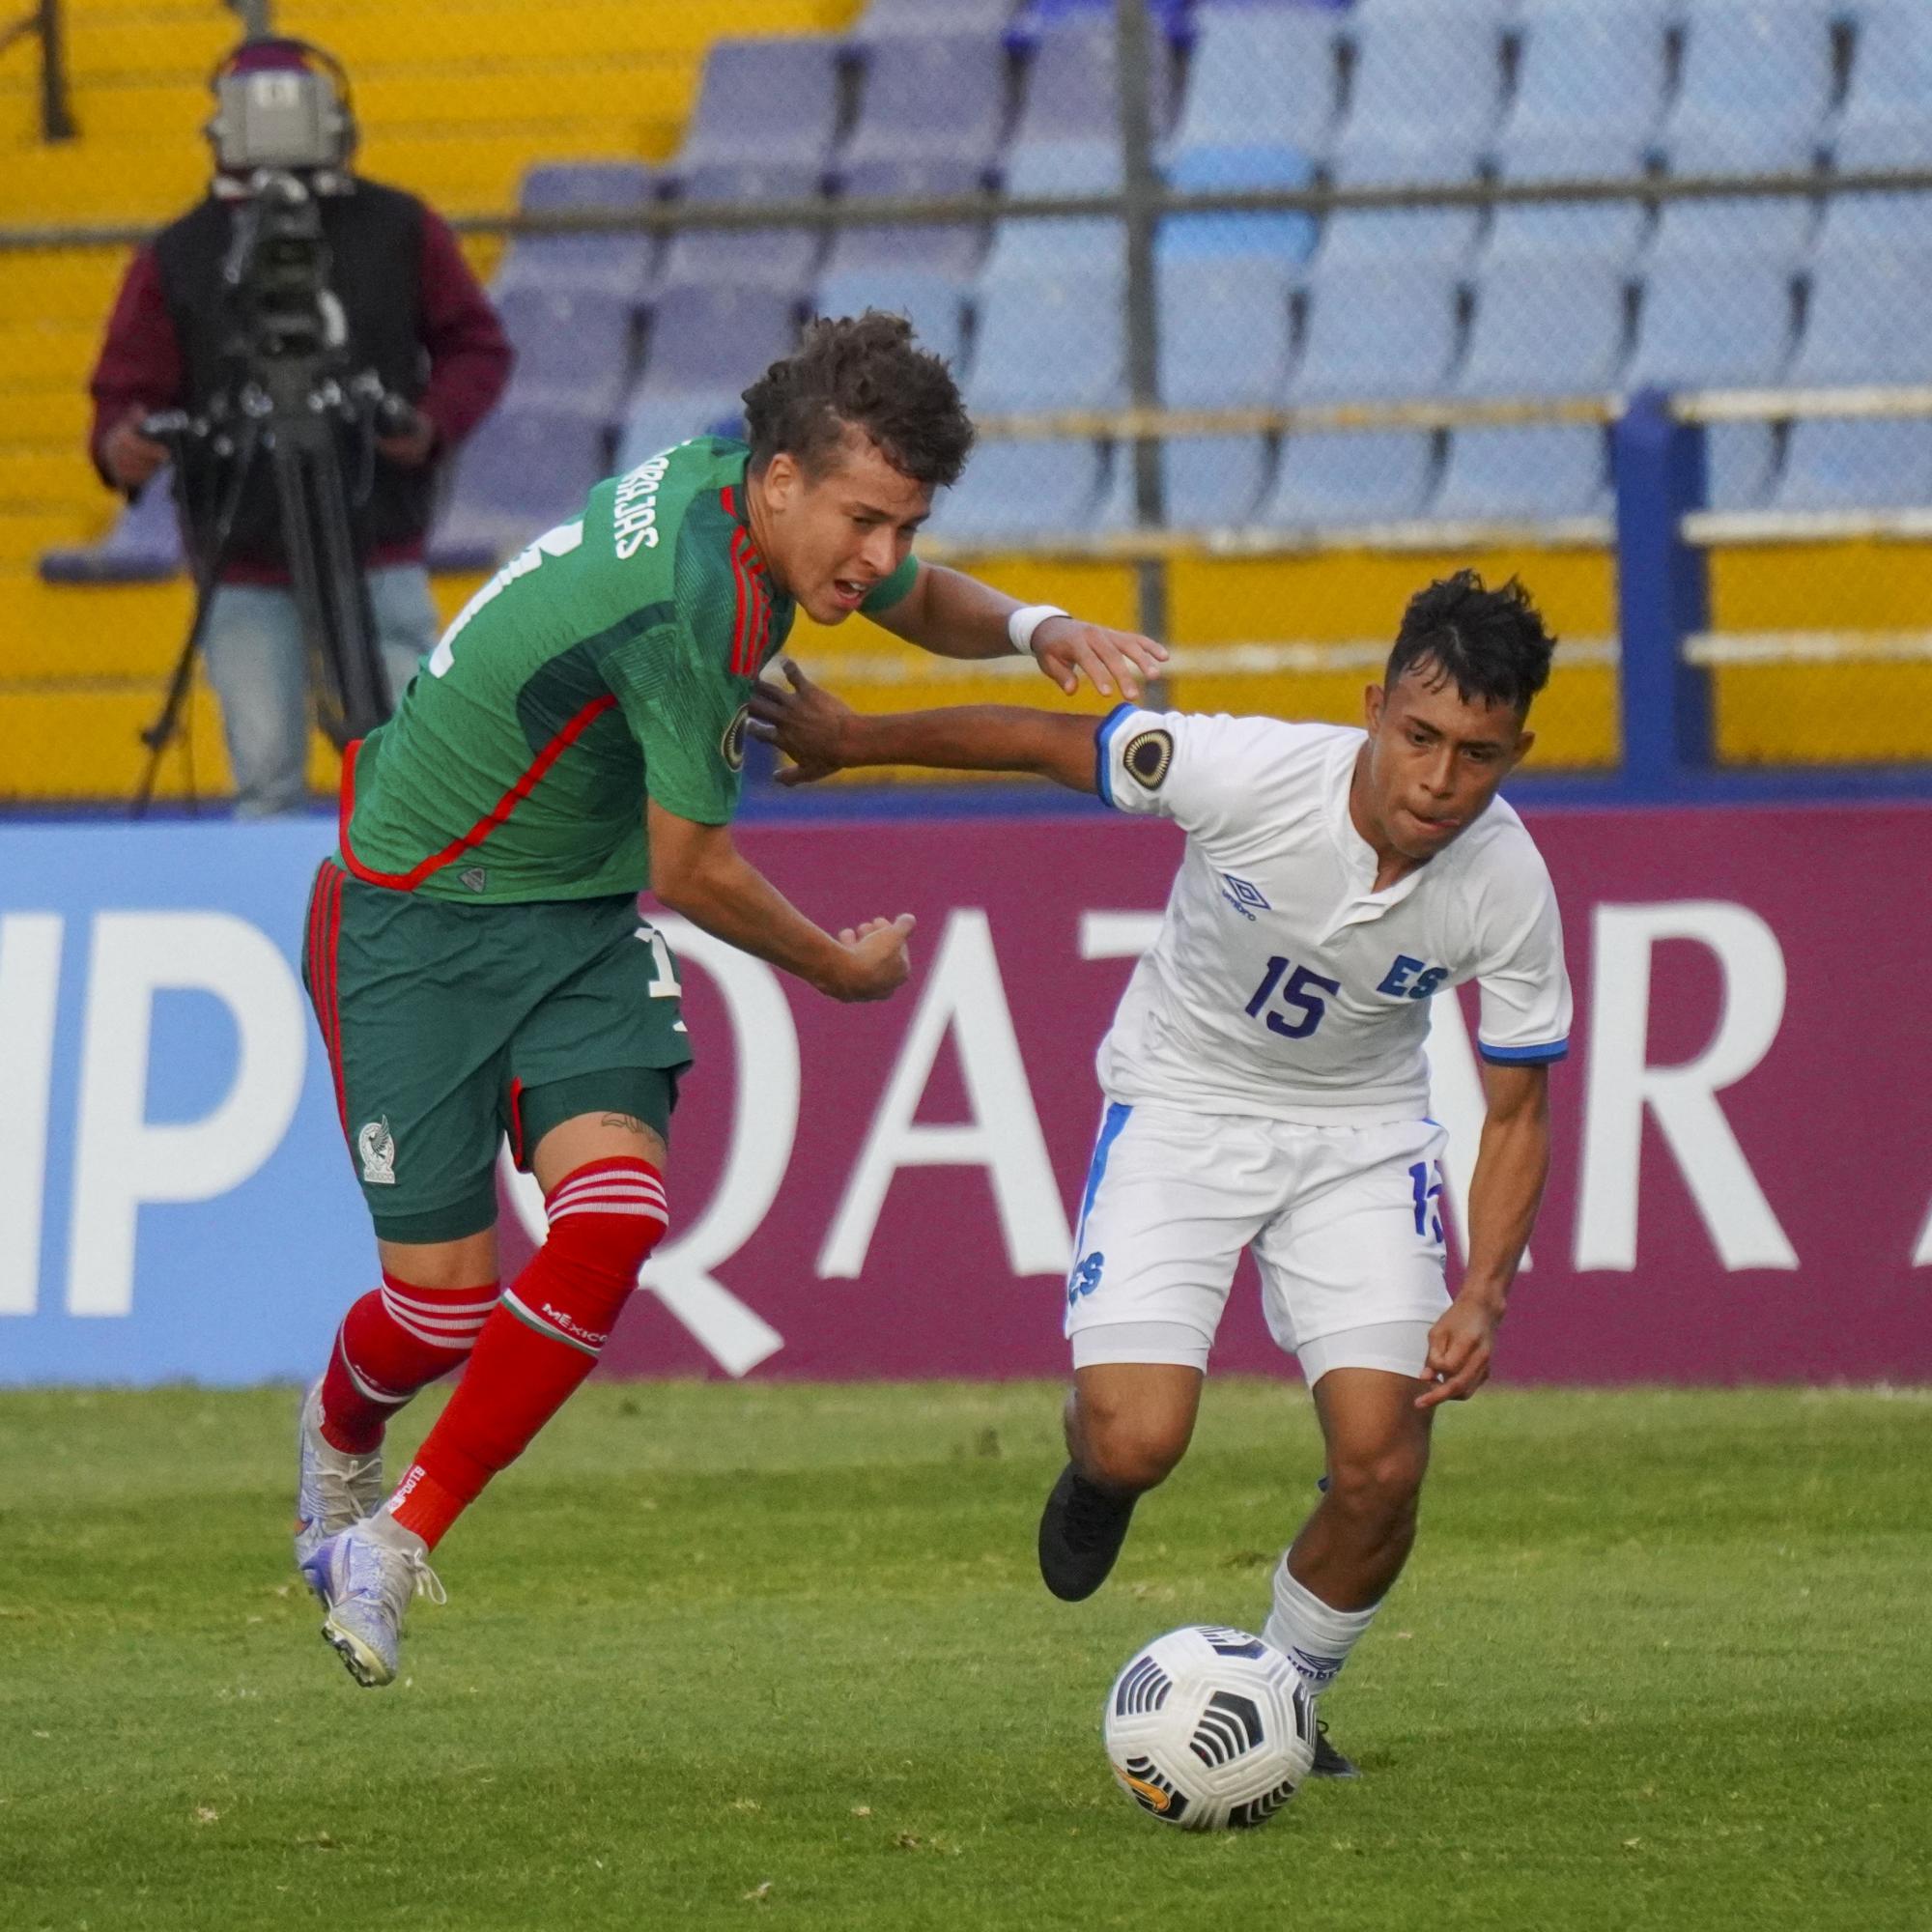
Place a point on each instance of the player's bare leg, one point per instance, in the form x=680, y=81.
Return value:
x=1354, y=1544
x=1127, y=1425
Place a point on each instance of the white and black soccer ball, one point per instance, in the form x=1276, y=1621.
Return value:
x=1210, y=1728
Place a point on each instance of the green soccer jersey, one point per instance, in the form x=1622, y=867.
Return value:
x=611, y=660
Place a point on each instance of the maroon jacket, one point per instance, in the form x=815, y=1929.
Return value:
x=145, y=364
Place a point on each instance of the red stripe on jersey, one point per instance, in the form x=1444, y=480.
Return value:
x=497, y=815
x=331, y=1009
x=744, y=622
x=728, y=496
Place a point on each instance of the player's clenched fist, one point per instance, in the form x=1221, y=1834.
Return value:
x=876, y=959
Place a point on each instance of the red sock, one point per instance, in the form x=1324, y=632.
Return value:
x=396, y=1340
x=541, y=1341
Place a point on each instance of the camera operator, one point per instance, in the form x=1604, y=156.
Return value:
x=399, y=303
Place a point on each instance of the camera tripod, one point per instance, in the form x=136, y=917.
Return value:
x=293, y=413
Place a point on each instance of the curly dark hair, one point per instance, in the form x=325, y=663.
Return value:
x=1491, y=645
x=865, y=372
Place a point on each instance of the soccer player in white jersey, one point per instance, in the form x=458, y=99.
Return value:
x=1265, y=1081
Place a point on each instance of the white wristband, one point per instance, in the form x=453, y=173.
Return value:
x=1022, y=623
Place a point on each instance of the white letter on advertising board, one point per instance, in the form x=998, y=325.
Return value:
x=122, y=1160
x=1683, y=1099
x=764, y=1125
x=963, y=995
x=30, y=957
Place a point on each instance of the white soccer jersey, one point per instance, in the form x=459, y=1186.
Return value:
x=1282, y=983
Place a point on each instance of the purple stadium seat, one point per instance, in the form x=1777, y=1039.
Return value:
x=706, y=339
x=770, y=101
x=944, y=249
x=935, y=98
x=1072, y=89
x=657, y=422
x=527, y=468
x=575, y=347
x=884, y=19
x=779, y=257
x=616, y=261
x=144, y=546
x=1014, y=490
x=1349, y=477
x=932, y=303
x=1534, y=474
x=1049, y=342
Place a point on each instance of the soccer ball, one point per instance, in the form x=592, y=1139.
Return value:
x=1210, y=1728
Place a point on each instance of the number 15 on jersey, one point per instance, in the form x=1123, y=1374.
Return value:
x=1300, y=995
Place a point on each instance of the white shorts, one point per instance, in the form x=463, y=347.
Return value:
x=1345, y=1224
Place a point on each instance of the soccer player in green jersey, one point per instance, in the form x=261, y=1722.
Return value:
x=475, y=954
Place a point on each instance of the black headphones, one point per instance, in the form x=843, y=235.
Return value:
x=315, y=65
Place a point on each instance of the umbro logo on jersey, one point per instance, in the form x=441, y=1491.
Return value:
x=1246, y=898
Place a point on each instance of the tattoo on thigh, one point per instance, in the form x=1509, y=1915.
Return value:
x=627, y=1123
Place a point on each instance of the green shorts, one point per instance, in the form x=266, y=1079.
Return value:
x=449, y=1026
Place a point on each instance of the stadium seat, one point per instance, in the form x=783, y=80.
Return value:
x=1546, y=328
x=1212, y=482
x=1375, y=331
x=1168, y=19
x=1755, y=85
x=142, y=547
x=941, y=96
x=525, y=468
x=765, y=100
x=779, y=257
x=618, y=262
x=1342, y=477
x=1093, y=245
x=1589, y=93
x=655, y=422
x=930, y=302
x=1072, y=85
x=1262, y=76
x=1722, y=228
x=1739, y=458
x=575, y=347
x=1049, y=341
x=1431, y=237
x=1532, y=473
x=1423, y=103
x=1842, y=464
x=707, y=339
x=1885, y=123
x=952, y=248
x=1700, y=329
x=1601, y=231
x=1287, y=237
x=883, y=19
x=1020, y=489
x=1876, y=221
x=1225, y=332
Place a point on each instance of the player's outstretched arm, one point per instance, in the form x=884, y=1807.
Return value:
x=1512, y=1164
x=696, y=871
x=955, y=615
x=821, y=734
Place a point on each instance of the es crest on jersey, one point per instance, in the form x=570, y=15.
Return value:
x=732, y=744
x=1147, y=757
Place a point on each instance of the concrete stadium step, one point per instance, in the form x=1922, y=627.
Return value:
x=46, y=418
x=54, y=475
x=61, y=631
x=49, y=355
x=24, y=533
x=80, y=743
x=59, y=285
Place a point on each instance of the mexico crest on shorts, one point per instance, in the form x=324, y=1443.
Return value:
x=732, y=744
x=377, y=1146
x=1147, y=757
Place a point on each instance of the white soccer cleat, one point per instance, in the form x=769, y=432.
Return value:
x=365, y=1578
x=333, y=1489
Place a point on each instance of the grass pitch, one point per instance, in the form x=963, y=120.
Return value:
x=743, y=1657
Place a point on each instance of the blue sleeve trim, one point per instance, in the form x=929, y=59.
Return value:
x=1103, y=738
x=1525, y=1056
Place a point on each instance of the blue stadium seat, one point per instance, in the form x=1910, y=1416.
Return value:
x=142, y=547
x=1048, y=341
x=1427, y=83
x=1260, y=76
x=705, y=339
x=1701, y=328
x=884, y=19
x=1840, y=465
x=1756, y=82
x=1083, y=245
x=1013, y=490
x=951, y=249
x=575, y=347
x=1724, y=228
x=527, y=468
x=1885, y=123
x=1225, y=332
x=1740, y=458
x=1535, y=472
x=941, y=96
x=617, y=262
x=1601, y=231
x=1875, y=221
x=930, y=302
x=779, y=257
x=1202, y=170
x=768, y=100
x=1428, y=238
x=1342, y=477
x=1376, y=332
x=1546, y=328
x=1212, y=482
x=656, y=422
x=1589, y=93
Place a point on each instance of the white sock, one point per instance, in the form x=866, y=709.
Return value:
x=1315, y=1638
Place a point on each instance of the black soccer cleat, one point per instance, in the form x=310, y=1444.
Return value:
x=1081, y=1530
x=1328, y=1761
